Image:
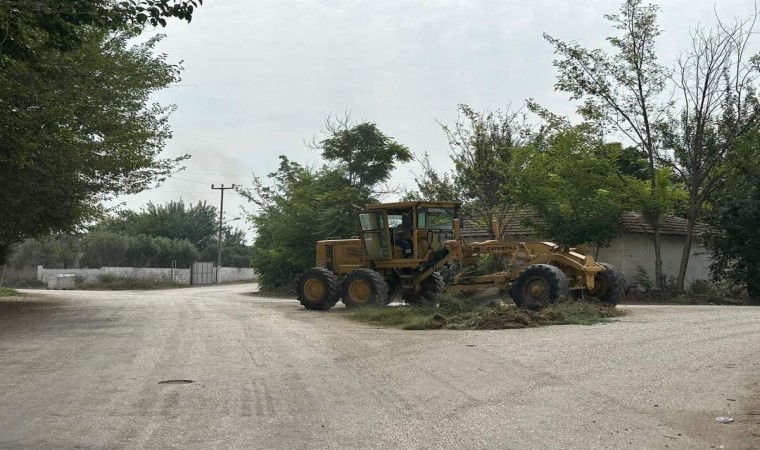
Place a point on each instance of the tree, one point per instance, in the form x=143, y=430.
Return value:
x=632, y=162
x=718, y=105
x=235, y=252
x=76, y=128
x=73, y=92
x=487, y=152
x=576, y=188
x=105, y=248
x=304, y=205
x=733, y=239
x=142, y=251
x=366, y=155
x=55, y=251
x=179, y=250
x=433, y=186
x=622, y=90
x=196, y=223
x=28, y=25
x=361, y=160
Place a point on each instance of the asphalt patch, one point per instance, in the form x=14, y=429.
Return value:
x=175, y=382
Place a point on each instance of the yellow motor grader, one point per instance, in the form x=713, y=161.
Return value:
x=402, y=246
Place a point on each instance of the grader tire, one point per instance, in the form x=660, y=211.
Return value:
x=429, y=287
x=609, y=285
x=318, y=289
x=364, y=287
x=538, y=286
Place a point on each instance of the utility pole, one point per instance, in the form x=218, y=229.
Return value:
x=222, y=188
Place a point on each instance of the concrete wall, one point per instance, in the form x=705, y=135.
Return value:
x=232, y=274
x=24, y=273
x=177, y=276
x=632, y=250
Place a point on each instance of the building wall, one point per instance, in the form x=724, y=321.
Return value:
x=632, y=250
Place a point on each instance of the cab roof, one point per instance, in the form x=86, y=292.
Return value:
x=410, y=205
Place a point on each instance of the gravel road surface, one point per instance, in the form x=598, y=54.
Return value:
x=113, y=369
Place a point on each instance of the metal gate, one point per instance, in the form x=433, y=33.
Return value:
x=202, y=273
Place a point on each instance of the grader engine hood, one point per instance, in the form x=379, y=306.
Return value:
x=335, y=253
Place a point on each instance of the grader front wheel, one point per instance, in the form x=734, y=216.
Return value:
x=364, y=287
x=429, y=287
x=538, y=286
x=318, y=289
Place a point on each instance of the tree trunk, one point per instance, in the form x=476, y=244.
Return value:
x=489, y=225
x=753, y=286
x=690, y=221
x=659, y=279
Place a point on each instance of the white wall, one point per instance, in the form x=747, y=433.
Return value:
x=231, y=274
x=632, y=250
x=180, y=276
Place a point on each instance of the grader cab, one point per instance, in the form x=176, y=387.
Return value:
x=402, y=246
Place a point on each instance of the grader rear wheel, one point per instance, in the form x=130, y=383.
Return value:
x=609, y=285
x=364, y=287
x=318, y=289
x=538, y=286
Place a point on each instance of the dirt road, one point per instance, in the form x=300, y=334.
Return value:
x=84, y=370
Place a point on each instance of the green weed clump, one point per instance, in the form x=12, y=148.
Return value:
x=7, y=292
x=456, y=313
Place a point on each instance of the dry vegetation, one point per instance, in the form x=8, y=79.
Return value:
x=454, y=313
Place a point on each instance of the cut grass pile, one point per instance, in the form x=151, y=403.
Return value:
x=454, y=313
x=7, y=292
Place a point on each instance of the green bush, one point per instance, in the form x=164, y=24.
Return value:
x=107, y=249
x=182, y=251
x=104, y=249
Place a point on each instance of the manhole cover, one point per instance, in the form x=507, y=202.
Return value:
x=175, y=382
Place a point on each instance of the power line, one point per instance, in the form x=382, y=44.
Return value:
x=189, y=180
x=218, y=174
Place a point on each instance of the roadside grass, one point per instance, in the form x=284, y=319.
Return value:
x=23, y=283
x=453, y=313
x=8, y=292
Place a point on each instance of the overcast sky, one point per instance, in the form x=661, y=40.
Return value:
x=261, y=76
